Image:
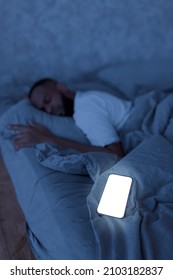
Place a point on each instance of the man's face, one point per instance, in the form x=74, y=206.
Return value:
x=49, y=99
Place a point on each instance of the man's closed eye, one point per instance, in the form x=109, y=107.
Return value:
x=47, y=99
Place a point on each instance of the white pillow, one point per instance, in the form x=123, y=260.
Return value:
x=23, y=111
x=6, y=103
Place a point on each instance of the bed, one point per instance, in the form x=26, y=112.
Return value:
x=59, y=190
x=13, y=239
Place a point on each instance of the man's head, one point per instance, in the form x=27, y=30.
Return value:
x=52, y=97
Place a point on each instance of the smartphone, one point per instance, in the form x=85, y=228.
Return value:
x=115, y=195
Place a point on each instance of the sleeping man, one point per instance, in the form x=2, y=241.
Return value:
x=98, y=114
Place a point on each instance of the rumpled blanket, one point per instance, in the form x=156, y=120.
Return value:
x=73, y=162
x=152, y=114
x=146, y=230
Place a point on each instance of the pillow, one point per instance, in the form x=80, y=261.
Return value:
x=6, y=103
x=72, y=162
x=23, y=111
x=130, y=76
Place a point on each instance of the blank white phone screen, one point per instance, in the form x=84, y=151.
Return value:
x=115, y=195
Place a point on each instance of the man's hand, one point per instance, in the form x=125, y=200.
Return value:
x=34, y=133
x=31, y=134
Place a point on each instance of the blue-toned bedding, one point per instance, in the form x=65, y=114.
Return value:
x=59, y=190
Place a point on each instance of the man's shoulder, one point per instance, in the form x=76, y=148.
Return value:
x=92, y=93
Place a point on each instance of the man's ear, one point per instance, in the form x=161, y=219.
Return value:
x=65, y=90
x=61, y=87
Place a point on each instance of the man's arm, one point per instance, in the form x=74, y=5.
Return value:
x=115, y=148
x=36, y=133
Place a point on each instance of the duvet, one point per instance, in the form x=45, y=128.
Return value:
x=146, y=230
x=60, y=197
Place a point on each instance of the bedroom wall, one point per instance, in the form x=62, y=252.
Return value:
x=64, y=38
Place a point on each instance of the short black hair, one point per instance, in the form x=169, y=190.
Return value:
x=41, y=82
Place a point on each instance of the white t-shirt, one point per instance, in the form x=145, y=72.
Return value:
x=100, y=115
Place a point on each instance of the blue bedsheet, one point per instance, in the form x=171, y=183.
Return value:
x=60, y=209
x=152, y=114
x=146, y=230
x=148, y=219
